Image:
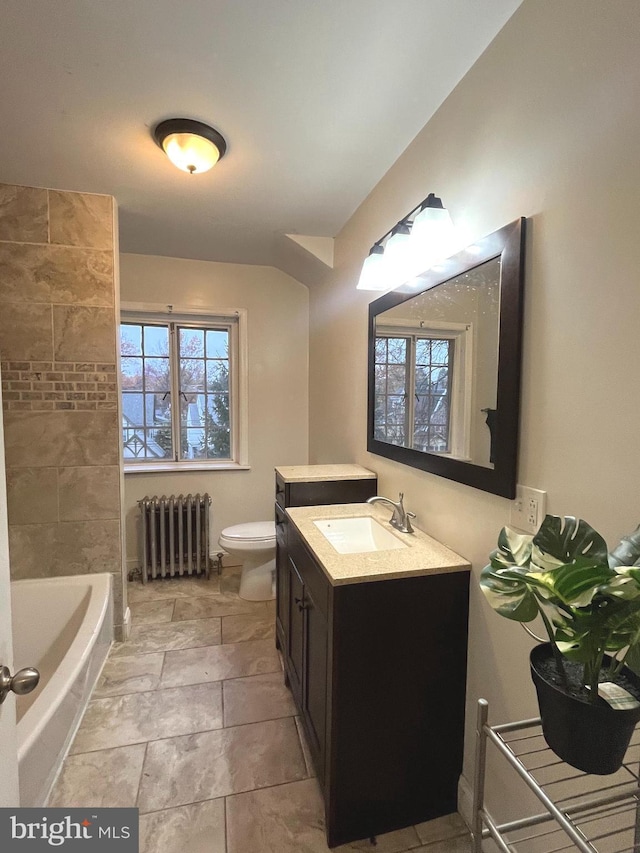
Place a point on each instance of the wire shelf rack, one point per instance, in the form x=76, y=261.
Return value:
x=596, y=814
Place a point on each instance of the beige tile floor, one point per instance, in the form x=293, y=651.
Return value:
x=192, y=723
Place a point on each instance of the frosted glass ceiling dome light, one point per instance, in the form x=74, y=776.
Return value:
x=191, y=145
x=372, y=276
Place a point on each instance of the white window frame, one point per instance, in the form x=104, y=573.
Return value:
x=460, y=406
x=185, y=316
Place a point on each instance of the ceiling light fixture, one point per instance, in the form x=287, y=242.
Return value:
x=191, y=145
x=419, y=240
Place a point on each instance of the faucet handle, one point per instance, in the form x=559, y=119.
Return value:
x=408, y=516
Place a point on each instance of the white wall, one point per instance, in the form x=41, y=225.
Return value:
x=545, y=125
x=278, y=332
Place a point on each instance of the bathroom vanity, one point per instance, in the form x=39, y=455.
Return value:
x=374, y=646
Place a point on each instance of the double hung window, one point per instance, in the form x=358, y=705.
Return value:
x=179, y=391
x=421, y=397
x=413, y=391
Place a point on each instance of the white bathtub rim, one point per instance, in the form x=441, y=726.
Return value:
x=33, y=722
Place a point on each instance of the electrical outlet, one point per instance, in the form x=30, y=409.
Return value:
x=528, y=509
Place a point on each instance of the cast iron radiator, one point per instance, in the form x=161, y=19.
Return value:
x=174, y=533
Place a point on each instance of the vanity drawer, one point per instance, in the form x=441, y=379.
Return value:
x=319, y=492
x=311, y=574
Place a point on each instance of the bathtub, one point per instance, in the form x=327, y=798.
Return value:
x=64, y=627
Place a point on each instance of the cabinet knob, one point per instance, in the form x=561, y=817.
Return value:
x=302, y=604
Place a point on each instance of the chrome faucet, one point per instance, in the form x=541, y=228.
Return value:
x=400, y=519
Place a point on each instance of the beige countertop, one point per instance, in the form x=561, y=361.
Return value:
x=316, y=473
x=422, y=556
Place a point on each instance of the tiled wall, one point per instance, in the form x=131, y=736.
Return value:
x=55, y=385
x=58, y=360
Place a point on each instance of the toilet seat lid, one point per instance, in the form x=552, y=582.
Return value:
x=252, y=531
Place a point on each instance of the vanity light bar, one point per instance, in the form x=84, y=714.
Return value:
x=414, y=243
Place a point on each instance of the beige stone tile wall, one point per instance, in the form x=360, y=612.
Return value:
x=58, y=333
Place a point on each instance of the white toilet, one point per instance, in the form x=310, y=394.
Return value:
x=254, y=544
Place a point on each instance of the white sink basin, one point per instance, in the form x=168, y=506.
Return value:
x=357, y=535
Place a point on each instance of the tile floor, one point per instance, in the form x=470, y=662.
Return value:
x=192, y=723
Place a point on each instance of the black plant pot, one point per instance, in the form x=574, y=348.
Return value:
x=592, y=737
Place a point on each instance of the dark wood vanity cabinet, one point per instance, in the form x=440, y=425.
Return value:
x=378, y=672
x=306, y=490
x=302, y=601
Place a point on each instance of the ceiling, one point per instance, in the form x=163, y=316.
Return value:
x=315, y=99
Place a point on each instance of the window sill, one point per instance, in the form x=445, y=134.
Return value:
x=182, y=467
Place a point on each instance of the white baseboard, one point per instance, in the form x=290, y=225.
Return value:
x=465, y=800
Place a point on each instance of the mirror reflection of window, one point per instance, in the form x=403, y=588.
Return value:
x=413, y=391
x=436, y=367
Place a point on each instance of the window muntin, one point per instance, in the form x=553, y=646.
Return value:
x=413, y=391
x=178, y=391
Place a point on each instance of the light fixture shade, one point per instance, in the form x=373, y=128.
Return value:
x=397, y=268
x=423, y=238
x=372, y=275
x=431, y=238
x=191, y=145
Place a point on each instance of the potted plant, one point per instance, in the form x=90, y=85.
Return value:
x=589, y=602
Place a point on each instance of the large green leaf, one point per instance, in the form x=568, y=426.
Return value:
x=577, y=642
x=514, y=549
x=607, y=625
x=562, y=539
x=577, y=583
x=508, y=593
x=625, y=583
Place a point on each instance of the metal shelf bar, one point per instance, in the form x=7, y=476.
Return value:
x=577, y=837
x=495, y=833
x=607, y=801
x=524, y=822
x=515, y=727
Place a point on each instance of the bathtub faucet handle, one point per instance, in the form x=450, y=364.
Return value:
x=24, y=681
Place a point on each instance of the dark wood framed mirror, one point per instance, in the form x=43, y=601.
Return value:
x=444, y=366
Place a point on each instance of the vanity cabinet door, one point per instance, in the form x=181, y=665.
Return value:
x=282, y=582
x=314, y=607
x=314, y=704
x=296, y=638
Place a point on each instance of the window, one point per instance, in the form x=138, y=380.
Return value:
x=179, y=391
x=419, y=382
x=413, y=392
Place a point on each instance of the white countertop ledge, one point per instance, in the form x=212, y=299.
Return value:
x=318, y=473
x=422, y=556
